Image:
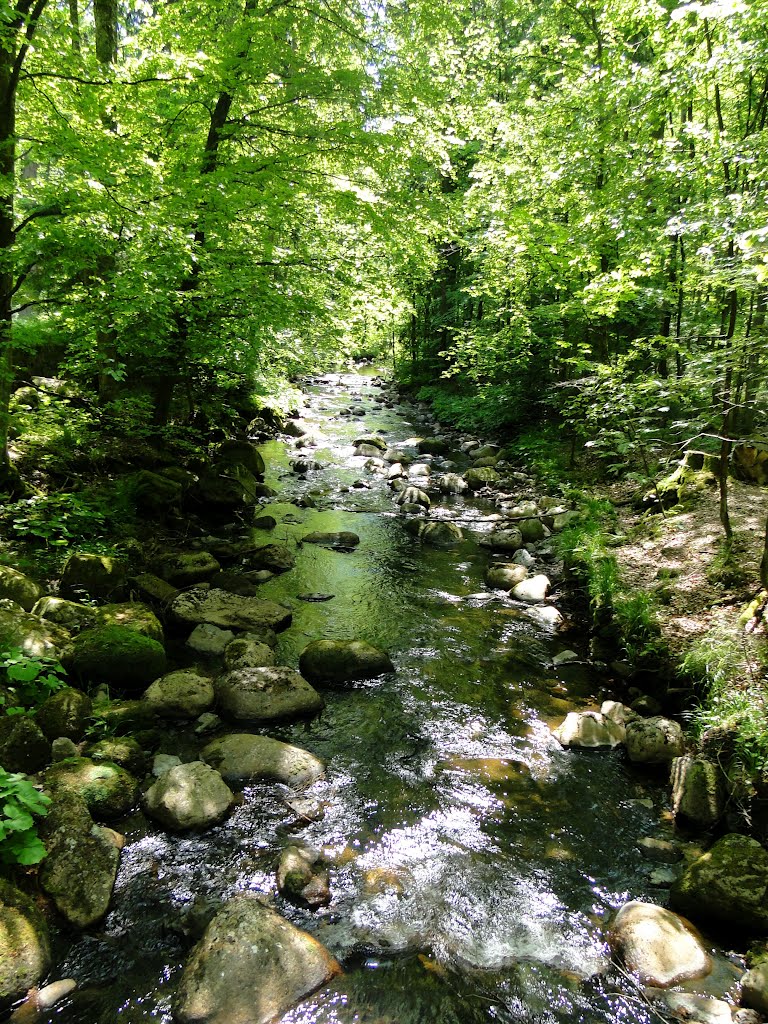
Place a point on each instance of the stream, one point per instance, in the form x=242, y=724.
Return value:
x=474, y=861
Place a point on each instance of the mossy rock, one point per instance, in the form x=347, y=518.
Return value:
x=486, y=476
x=18, y=587
x=98, y=576
x=116, y=655
x=125, y=716
x=695, y=474
x=156, y=493
x=23, y=746
x=241, y=453
x=25, y=949
x=123, y=751
x=107, y=789
x=31, y=635
x=65, y=713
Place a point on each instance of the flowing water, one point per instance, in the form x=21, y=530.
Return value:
x=474, y=860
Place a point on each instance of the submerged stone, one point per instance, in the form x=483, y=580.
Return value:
x=342, y=661
x=240, y=757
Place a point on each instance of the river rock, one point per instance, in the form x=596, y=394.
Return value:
x=210, y=641
x=265, y=694
x=476, y=479
x=452, y=483
x=181, y=694
x=698, y=794
x=342, y=661
x=532, y=530
x=303, y=877
x=241, y=757
x=532, y=590
x=656, y=740
x=97, y=576
x=70, y=614
x=340, y=539
x=187, y=568
x=240, y=453
x=728, y=885
x=227, y=486
x=65, y=713
x=35, y=638
x=107, y=789
x=277, y=558
x=294, y=429
x=192, y=795
x=155, y=493
x=25, y=948
x=588, y=729
x=420, y=471
x=504, y=540
x=754, y=988
x=220, y=608
x=659, y=947
x=692, y=1008
x=250, y=966
x=505, y=577
x=120, y=750
x=372, y=441
x=438, y=534
x=23, y=745
x=152, y=589
x=413, y=496
x=79, y=873
x=19, y=588
x=488, y=460
x=248, y=651
x=367, y=451
x=116, y=655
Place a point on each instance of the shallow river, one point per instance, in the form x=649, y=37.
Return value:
x=474, y=860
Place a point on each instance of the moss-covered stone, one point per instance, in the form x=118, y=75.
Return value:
x=125, y=716
x=98, y=576
x=18, y=587
x=341, y=661
x=484, y=477
x=242, y=453
x=23, y=746
x=728, y=885
x=156, y=493
x=116, y=655
x=25, y=949
x=65, y=713
x=107, y=789
x=31, y=635
x=120, y=750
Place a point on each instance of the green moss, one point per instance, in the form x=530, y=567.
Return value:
x=116, y=655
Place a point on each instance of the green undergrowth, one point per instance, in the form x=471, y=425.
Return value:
x=728, y=671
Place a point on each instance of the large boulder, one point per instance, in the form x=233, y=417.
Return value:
x=77, y=617
x=250, y=966
x=505, y=576
x=698, y=794
x=657, y=946
x=97, y=576
x=116, y=655
x=655, y=740
x=243, y=453
x=589, y=729
x=275, y=557
x=508, y=540
x=265, y=694
x=437, y=534
x=230, y=611
x=107, y=789
x=247, y=651
x=35, y=638
x=65, y=713
x=728, y=885
x=17, y=587
x=342, y=661
x=485, y=476
x=181, y=694
x=23, y=745
x=81, y=867
x=185, y=568
x=156, y=494
x=25, y=948
x=192, y=795
x=227, y=486
x=241, y=757
x=452, y=483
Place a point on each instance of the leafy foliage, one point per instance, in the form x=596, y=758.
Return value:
x=19, y=801
x=27, y=680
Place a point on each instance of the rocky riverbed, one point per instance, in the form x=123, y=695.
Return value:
x=338, y=720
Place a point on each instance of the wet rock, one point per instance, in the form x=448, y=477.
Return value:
x=437, y=534
x=452, y=483
x=303, y=466
x=116, y=655
x=660, y=850
x=241, y=757
x=19, y=588
x=532, y=590
x=220, y=608
x=413, y=496
x=532, y=530
x=187, y=568
x=656, y=740
x=303, y=877
x=505, y=577
x=698, y=794
x=248, y=651
x=340, y=539
x=476, y=479
x=265, y=694
x=41, y=999
x=108, y=790
x=97, y=576
x=565, y=658
x=264, y=523
x=241, y=453
x=189, y=796
x=432, y=446
x=35, y=638
x=342, y=661
x=65, y=713
x=208, y=640
x=754, y=988
x=589, y=729
x=23, y=746
x=277, y=558
x=123, y=751
x=79, y=873
x=659, y=947
x=180, y=695
x=294, y=429
x=250, y=966
x=372, y=442
x=728, y=885
x=367, y=451
x=25, y=948
x=696, y=1009
x=504, y=540
x=153, y=589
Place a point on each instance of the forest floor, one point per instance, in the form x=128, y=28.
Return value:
x=680, y=557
